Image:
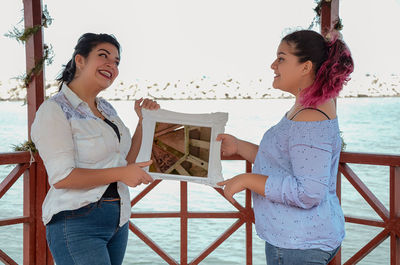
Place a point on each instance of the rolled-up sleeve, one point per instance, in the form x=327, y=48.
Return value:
x=310, y=152
x=51, y=132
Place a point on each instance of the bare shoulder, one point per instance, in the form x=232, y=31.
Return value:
x=318, y=113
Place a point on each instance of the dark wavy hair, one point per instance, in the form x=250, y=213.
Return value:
x=332, y=64
x=84, y=46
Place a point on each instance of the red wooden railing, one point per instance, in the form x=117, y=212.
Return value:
x=35, y=186
x=244, y=214
x=22, y=161
x=35, y=252
x=390, y=219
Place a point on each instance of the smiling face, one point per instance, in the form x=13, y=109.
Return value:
x=101, y=66
x=289, y=72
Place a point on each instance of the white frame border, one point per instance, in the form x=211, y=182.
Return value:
x=216, y=121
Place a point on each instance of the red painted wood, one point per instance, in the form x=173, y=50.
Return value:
x=218, y=241
x=34, y=53
x=26, y=220
x=14, y=175
x=371, y=245
x=29, y=229
x=395, y=215
x=15, y=220
x=244, y=215
x=235, y=204
x=14, y=158
x=329, y=15
x=249, y=230
x=370, y=159
x=41, y=191
x=249, y=222
x=362, y=221
x=139, y=233
x=6, y=259
x=34, y=183
x=337, y=260
x=144, y=192
x=367, y=194
x=184, y=223
x=214, y=215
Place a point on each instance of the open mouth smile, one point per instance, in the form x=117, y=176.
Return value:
x=106, y=74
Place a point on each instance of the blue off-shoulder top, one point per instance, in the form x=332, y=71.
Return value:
x=300, y=209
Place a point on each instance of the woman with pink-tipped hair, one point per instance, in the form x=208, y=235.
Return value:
x=293, y=183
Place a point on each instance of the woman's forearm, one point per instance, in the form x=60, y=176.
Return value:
x=247, y=150
x=135, y=144
x=256, y=183
x=84, y=178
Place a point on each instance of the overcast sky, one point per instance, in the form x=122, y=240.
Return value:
x=186, y=39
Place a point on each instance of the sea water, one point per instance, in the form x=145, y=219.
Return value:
x=369, y=125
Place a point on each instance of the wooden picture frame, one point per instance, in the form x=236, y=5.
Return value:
x=183, y=146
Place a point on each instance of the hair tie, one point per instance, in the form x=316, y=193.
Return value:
x=332, y=36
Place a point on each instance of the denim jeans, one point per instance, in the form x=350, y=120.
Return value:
x=284, y=256
x=88, y=235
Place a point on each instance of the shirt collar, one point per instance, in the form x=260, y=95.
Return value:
x=71, y=96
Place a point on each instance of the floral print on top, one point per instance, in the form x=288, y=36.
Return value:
x=82, y=111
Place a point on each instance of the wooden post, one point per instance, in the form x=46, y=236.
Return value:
x=184, y=222
x=34, y=52
x=337, y=260
x=395, y=215
x=29, y=229
x=35, y=185
x=249, y=222
x=329, y=15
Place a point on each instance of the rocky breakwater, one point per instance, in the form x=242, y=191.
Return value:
x=206, y=88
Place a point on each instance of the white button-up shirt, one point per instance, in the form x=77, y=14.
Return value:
x=68, y=135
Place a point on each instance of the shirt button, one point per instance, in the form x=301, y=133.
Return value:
x=117, y=151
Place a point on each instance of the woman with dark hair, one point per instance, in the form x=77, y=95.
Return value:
x=89, y=158
x=297, y=211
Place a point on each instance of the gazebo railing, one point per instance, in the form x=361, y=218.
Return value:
x=244, y=215
x=389, y=218
x=35, y=186
x=21, y=159
x=35, y=249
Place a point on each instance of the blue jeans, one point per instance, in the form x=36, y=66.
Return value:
x=88, y=235
x=284, y=256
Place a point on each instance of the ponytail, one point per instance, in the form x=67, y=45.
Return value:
x=68, y=73
x=332, y=64
x=331, y=76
